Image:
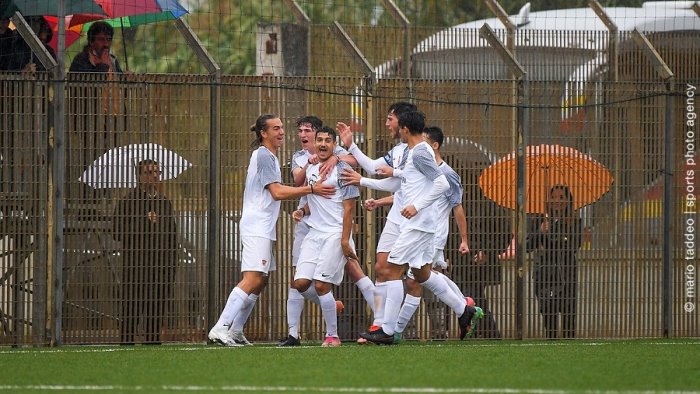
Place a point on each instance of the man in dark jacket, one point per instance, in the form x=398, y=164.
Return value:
x=145, y=225
x=96, y=56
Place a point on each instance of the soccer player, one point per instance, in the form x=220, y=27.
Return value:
x=421, y=183
x=261, y=206
x=330, y=222
x=394, y=158
x=450, y=201
x=306, y=128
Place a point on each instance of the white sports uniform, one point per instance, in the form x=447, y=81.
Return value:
x=301, y=228
x=321, y=257
x=444, y=205
x=260, y=212
x=420, y=174
x=396, y=158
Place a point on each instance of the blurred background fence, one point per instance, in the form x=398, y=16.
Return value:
x=612, y=102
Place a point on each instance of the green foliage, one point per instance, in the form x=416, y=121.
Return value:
x=227, y=28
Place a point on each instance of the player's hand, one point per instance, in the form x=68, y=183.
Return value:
x=384, y=170
x=350, y=177
x=463, y=248
x=348, y=252
x=328, y=165
x=313, y=159
x=409, y=212
x=345, y=134
x=371, y=204
x=298, y=214
x=323, y=190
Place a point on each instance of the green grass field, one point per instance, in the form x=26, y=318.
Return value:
x=437, y=367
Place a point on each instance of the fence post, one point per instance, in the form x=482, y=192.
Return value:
x=214, y=200
x=521, y=136
x=406, y=25
x=669, y=196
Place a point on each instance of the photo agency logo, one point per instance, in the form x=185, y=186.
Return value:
x=690, y=203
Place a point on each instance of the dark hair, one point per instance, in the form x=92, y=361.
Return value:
x=315, y=122
x=259, y=126
x=401, y=107
x=143, y=163
x=329, y=130
x=435, y=134
x=42, y=26
x=99, y=27
x=569, y=210
x=413, y=120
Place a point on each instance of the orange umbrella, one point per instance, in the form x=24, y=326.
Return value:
x=546, y=166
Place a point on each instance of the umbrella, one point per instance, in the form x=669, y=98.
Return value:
x=117, y=167
x=49, y=7
x=130, y=13
x=546, y=166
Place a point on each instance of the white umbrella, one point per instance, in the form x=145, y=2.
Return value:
x=117, y=167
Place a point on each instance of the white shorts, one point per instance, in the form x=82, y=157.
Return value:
x=439, y=262
x=300, y=231
x=412, y=247
x=388, y=238
x=257, y=254
x=322, y=258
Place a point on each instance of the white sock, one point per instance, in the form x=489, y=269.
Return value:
x=367, y=289
x=409, y=307
x=453, y=286
x=311, y=295
x=242, y=317
x=444, y=293
x=295, y=305
x=330, y=316
x=234, y=304
x=392, y=306
x=379, y=300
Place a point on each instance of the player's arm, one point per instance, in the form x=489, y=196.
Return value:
x=425, y=163
x=352, y=177
x=368, y=164
x=339, y=155
x=461, y=219
x=372, y=204
x=299, y=175
x=284, y=192
x=348, y=217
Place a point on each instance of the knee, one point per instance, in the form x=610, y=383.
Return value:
x=301, y=285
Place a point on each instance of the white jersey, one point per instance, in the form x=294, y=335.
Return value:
x=448, y=200
x=396, y=158
x=301, y=158
x=327, y=213
x=416, y=180
x=260, y=210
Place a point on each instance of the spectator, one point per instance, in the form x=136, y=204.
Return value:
x=23, y=59
x=556, y=238
x=96, y=56
x=145, y=225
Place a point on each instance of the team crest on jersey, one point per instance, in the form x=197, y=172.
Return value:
x=313, y=179
x=264, y=263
